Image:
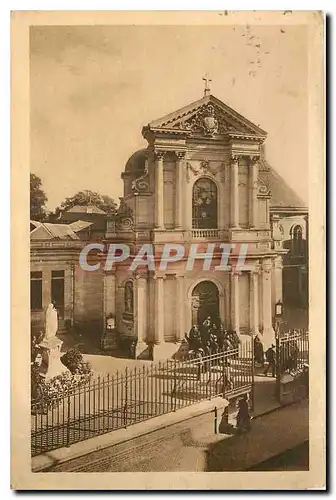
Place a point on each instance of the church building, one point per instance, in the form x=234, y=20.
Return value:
x=202, y=179
x=201, y=184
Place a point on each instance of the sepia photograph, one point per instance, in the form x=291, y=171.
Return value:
x=175, y=188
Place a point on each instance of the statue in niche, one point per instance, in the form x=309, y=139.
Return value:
x=129, y=297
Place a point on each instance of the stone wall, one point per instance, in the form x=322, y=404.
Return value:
x=89, y=300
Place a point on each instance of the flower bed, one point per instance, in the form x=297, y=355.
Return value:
x=46, y=393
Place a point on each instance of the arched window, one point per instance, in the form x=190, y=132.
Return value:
x=128, y=298
x=204, y=204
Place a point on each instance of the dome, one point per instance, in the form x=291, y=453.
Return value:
x=136, y=163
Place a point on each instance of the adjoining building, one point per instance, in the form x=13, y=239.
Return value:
x=55, y=276
x=87, y=213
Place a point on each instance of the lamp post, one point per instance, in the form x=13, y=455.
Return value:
x=278, y=320
x=278, y=316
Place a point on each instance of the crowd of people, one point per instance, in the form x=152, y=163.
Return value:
x=210, y=337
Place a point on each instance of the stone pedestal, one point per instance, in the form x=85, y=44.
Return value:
x=51, y=355
x=109, y=339
x=141, y=350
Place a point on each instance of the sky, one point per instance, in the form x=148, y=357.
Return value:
x=93, y=88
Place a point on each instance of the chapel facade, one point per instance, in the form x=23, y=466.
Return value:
x=201, y=180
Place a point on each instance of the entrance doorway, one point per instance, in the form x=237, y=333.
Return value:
x=204, y=302
x=57, y=292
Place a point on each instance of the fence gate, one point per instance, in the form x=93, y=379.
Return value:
x=292, y=358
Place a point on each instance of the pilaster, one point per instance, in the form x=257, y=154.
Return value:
x=268, y=335
x=253, y=190
x=254, y=301
x=159, y=200
x=179, y=191
x=234, y=192
x=180, y=307
x=159, y=309
x=235, y=321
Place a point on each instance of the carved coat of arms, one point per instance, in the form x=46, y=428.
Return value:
x=210, y=123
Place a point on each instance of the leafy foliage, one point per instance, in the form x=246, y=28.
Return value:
x=36, y=339
x=38, y=199
x=46, y=394
x=84, y=198
x=73, y=360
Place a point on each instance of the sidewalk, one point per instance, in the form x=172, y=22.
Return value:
x=270, y=435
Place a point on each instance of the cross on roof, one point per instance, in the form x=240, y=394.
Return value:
x=206, y=79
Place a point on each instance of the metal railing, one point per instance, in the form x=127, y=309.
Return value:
x=292, y=351
x=117, y=401
x=292, y=357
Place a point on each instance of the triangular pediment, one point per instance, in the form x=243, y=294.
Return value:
x=207, y=117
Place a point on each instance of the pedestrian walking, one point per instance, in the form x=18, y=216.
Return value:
x=243, y=415
x=258, y=351
x=270, y=358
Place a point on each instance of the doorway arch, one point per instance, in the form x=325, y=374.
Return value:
x=204, y=301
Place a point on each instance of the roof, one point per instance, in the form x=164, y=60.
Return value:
x=79, y=225
x=282, y=195
x=34, y=224
x=190, y=119
x=136, y=163
x=49, y=231
x=86, y=209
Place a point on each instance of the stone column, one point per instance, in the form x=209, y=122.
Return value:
x=187, y=195
x=179, y=191
x=222, y=312
x=278, y=279
x=159, y=310
x=234, y=192
x=254, y=302
x=268, y=218
x=253, y=191
x=109, y=293
x=235, y=301
x=159, y=200
x=108, y=339
x=180, y=307
x=268, y=335
x=140, y=307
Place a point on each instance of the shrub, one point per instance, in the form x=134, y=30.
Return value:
x=73, y=360
x=36, y=382
x=48, y=393
x=36, y=339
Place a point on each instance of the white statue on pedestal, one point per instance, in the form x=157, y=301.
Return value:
x=51, y=322
x=51, y=345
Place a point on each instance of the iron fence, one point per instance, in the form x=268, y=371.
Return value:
x=292, y=351
x=292, y=356
x=122, y=399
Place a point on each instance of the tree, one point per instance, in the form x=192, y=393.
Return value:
x=38, y=199
x=85, y=198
